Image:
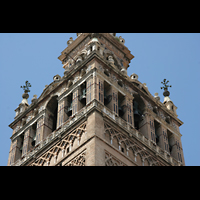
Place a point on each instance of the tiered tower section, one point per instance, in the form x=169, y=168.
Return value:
x=96, y=115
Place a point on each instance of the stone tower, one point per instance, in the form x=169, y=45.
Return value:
x=96, y=115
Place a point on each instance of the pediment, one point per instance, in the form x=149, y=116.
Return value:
x=141, y=86
x=48, y=89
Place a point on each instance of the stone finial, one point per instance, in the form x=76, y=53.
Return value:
x=124, y=71
x=113, y=34
x=145, y=86
x=134, y=76
x=25, y=96
x=34, y=99
x=56, y=78
x=167, y=101
x=70, y=41
x=78, y=34
x=122, y=40
x=166, y=93
x=157, y=97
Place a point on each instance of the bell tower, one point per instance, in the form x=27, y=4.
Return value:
x=95, y=114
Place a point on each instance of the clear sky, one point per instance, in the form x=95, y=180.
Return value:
x=174, y=56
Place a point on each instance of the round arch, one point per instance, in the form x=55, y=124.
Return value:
x=52, y=111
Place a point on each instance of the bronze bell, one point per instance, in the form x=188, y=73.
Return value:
x=107, y=98
x=83, y=97
x=136, y=116
x=34, y=141
x=137, y=112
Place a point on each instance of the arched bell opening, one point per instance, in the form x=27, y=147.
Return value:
x=83, y=93
x=52, y=108
x=68, y=107
x=107, y=94
x=33, y=129
x=121, y=105
x=138, y=109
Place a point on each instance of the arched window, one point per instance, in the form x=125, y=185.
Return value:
x=138, y=108
x=52, y=108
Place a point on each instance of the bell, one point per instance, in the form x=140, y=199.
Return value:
x=107, y=99
x=34, y=141
x=167, y=119
x=136, y=116
x=155, y=109
x=68, y=109
x=21, y=149
x=121, y=111
x=83, y=96
x=137, y=112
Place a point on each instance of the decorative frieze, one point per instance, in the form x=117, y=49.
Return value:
x=78, y=160
x=111, y=160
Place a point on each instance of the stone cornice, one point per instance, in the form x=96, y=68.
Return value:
x=72, y=46
x=26, y=126
x=83, y=36
x=120, y=46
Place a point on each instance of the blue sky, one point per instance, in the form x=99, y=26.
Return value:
x=174, y=56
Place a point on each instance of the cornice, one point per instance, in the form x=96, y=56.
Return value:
x=72, y=46
x=120, y=46
x=83, y=36
x=26, y=126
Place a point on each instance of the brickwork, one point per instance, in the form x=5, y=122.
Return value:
x=96, y=115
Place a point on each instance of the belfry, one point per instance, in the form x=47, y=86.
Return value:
x=95, y=114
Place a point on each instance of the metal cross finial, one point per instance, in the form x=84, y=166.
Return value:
x=165, y=84
x=26, y=87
